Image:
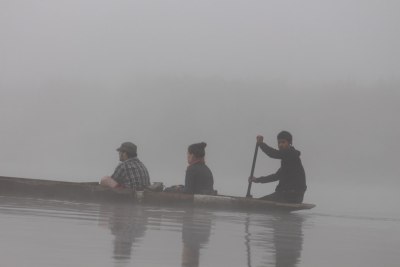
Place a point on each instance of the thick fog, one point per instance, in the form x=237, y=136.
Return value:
x=78, y=78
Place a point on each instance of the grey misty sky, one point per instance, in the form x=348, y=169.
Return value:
x=290, y=40
x=77, y=78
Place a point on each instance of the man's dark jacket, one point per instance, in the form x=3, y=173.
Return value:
x=291, y=175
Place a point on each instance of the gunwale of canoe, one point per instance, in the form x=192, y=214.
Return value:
x=93, y=192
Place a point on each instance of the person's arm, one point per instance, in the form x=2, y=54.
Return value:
x=189, y=181
x=118, y=174
x=272, y=152
x=264, y=179
x=267, y=179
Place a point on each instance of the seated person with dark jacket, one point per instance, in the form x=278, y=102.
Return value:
x=199, y=178
x=291, y=175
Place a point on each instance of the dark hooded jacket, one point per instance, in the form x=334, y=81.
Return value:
x=199, y=179
x=291, y=175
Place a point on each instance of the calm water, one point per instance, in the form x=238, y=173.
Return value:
x=53, y=233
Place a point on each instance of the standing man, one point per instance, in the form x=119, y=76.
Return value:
x=291, y=175
x=130, y=173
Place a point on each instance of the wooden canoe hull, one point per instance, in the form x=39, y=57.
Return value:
x=93, y=192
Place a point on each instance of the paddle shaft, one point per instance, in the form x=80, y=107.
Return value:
x=252, y=170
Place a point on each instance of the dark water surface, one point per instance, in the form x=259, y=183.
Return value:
x=55, y=233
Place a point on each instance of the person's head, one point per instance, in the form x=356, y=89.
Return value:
x=196, y=152
x=127, y=150
x=284, y=140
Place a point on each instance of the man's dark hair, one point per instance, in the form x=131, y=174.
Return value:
x=197, y=149
x=285, y=135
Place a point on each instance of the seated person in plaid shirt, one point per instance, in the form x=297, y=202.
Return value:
x=130, y=173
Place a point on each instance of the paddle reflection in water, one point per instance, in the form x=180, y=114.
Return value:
x=196, y=231
x=279, y=236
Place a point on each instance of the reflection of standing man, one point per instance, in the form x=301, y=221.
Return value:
x=196, y=230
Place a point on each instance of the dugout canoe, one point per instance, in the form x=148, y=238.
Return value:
x=93, y=192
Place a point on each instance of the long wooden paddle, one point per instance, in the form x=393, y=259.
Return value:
x=252, y=171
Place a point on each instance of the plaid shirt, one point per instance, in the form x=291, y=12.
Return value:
x=132, y=173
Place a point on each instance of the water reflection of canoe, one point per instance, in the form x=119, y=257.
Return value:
x=93, y=192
